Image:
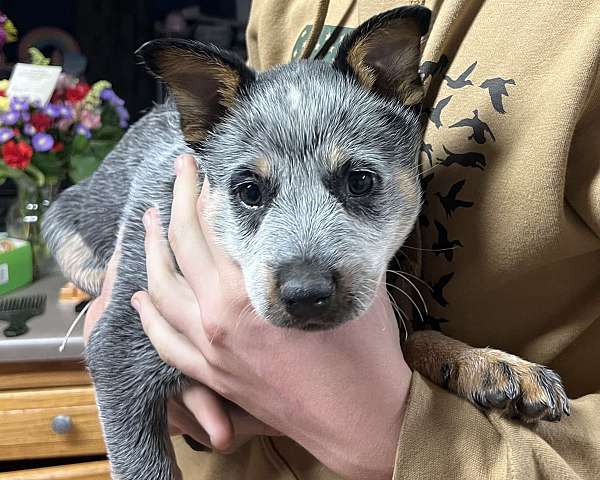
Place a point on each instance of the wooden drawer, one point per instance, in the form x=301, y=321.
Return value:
x=80, y=471
x=26, y=424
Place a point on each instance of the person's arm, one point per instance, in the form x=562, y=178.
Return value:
x=339, y=393
x=446, y=437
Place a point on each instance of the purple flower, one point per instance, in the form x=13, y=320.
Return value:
x=81, y=130
x=52, y=110
x=107, y=94
x=123, y=116
x=29, y=129
x=117, y=101
x=42, y=142
x=25, y=116
x=9, y=118
x=6, y=134
x=66, y=112
x=18, y=105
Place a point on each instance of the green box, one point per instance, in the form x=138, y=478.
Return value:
x=16, y=265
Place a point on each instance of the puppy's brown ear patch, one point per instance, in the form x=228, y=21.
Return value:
x=384, y=53
x=204, y=81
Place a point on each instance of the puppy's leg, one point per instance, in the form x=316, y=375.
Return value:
x=132, y=387
x=488, y=378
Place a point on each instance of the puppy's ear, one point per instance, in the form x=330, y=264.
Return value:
x=384, y=52
x=203, y=80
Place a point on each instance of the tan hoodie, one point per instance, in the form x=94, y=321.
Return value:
x=509, y=232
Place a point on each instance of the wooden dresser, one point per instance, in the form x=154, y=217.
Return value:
x=47, y=411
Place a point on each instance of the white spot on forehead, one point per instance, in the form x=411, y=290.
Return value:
x=294, y=98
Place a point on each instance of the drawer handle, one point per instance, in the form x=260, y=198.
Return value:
x=62, y=424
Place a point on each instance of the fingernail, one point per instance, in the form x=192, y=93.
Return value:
x=135, y=302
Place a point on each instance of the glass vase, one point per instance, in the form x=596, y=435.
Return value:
x=24, y=221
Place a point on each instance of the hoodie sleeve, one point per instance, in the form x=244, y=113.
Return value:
x=444, y=436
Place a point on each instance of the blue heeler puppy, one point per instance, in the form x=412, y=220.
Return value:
x=315, y=169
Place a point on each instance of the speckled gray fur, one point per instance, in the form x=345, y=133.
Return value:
x=297, y=117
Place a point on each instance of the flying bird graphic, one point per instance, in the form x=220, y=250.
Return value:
x=480, y=128
x=469, y=159
x=437, y=289
x=497, y=89
x=424, y=184
x=450, y=202
x=462, y=80
x=430, y=69
x=436, y=113
x=427, y=149
x=443, y=245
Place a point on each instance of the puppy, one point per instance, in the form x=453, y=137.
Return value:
x=315, y=171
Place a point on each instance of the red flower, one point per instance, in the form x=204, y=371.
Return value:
x=77, y=93
x=58, y=147
x=41, y=121
x=17, y=155
x=2, y=93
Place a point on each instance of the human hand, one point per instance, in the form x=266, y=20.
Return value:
x=198, y=411
x=339, y=393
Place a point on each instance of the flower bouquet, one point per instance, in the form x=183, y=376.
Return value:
x=68, y=138
x=45, y=146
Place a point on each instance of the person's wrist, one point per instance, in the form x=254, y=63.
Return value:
x=364, y=447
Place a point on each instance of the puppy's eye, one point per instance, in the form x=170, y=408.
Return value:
x=360, y=182
x=250, y=194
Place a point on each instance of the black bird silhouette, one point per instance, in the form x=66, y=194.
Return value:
x=497, y=89
x=430, y=69
x=425, y=181
x=437, y=289
x=479, y=127
x=450, y=202
x=443, y=245
x=469, y=159
x=436, y=113
x=424, y=184
x=433, y=322
x=462, y=80
x=427, y=149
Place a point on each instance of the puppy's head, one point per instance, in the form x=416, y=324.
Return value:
x=314, y=165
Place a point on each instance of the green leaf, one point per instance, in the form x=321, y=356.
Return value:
x=49, y=163
x=82, y=166
x=109, y=116
x=107, y=132
x=101, y=148
x=79, y=144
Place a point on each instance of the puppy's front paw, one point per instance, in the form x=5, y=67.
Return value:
x=492, y=379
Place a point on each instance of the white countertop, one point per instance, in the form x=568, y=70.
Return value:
x=46, y=332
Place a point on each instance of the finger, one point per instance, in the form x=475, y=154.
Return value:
x=172, y=347
x=247, y=425
x=209, y=411
x=164, y=284
x=185, y=235
x=204, y=211
x=182, y=422
x=97, y=306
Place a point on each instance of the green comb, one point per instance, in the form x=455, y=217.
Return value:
x=17, y=310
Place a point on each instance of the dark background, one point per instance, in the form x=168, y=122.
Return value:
x=108, y=33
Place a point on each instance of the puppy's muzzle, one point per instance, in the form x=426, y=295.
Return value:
x=306, y=290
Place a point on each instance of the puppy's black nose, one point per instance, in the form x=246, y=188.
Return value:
x=306, y=290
